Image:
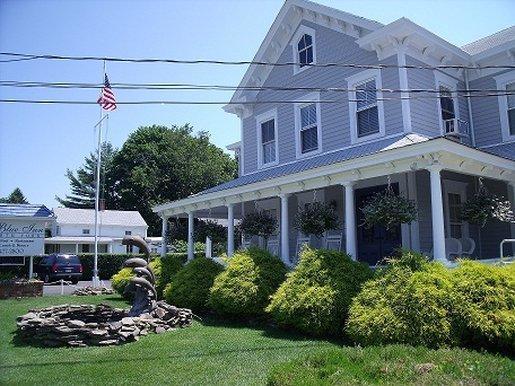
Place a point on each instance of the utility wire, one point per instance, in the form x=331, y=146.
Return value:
x=174, y=102
x=26, y=56
x=214, y=87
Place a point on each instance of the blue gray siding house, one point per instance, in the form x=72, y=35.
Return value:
x=352, y=104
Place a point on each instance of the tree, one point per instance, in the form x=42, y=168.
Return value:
x=82, y=182
x=158, y=164
x=16, y=197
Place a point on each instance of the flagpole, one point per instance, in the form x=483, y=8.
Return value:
x=96, y=280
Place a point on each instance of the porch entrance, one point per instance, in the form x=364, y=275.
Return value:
x=376, y=242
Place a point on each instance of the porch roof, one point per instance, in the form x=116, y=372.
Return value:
x=344, y=154
x=388, y=156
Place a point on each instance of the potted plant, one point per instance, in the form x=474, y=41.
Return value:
x=317, y=218
x=388, y=209
x=259, y=223
x=484, y=206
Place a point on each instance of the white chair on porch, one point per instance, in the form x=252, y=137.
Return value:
x=468, y=246
x=302, y=240
x=453, y=248
x=333, y=240
x=272, y=245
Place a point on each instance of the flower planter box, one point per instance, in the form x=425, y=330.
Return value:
x=20, y=289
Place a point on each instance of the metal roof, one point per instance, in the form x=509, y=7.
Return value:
x=25, y=210
x=494, y=40
x=106, y=217
x=320, y=160
x=506, y=150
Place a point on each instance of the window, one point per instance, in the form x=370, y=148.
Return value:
x=57, y=230
x=366, y=110
x=446, y=103
x=85, y=231
x=268, y=141
x=308, y=126
x=455, y=194
x=266, y=126
x=85, y=248
x=305, y=50
x=128, y=233
x=510, y=88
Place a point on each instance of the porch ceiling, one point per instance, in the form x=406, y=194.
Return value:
x=449, y=155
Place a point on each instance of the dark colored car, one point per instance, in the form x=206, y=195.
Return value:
x=59, y=266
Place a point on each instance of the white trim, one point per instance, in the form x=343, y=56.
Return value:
x=242, y=148
x=403, y=83
x=260, y=119
x=301, y=31
x=498, y=144
x=455, y=187
x=451, y=83
x=502, y=82
x=314, y=97
x=356, y=80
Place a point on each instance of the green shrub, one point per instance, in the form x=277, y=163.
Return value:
x=404, y=306
x=120, y=280
x=246, y=285
x=316, y=296
x=170, y=265
x=484, y=305
x=190, y=287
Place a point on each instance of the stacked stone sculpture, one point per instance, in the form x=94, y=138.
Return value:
x=102, y=325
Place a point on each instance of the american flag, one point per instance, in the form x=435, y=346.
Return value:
x=107, y=99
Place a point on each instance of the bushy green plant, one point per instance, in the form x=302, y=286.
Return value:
x=120, y=280
x=389, y=209
x=484, y=206
x=170, y=265
x=259, y=223
x=404, y=306
x=484, y=305
x=316, y=296
x=190, y=287
x=316, y=219
x=244, y=288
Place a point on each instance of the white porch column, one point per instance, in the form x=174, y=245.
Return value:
x=285, y=230
x=350, y=220
x=230, y=230
x=190, y=236
x=164, y=230
x=511, y=197
x=77, y=248
x=437, y=213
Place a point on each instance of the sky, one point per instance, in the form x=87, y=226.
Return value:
x=39, y=142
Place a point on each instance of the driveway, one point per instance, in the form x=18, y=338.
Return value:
x=55, y=289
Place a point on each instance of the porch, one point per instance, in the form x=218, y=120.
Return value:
x=437, y=180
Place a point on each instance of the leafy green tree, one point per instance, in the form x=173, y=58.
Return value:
x=82, y=182
x=16, y=197
x=158, y=164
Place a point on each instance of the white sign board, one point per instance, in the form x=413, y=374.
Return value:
x=22, y=237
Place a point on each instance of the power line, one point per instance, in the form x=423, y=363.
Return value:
x=26, y=56
x=176, y=102
x=214, y=87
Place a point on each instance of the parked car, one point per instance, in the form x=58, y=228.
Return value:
x=59, y=266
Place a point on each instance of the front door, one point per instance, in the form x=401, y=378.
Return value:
x=376, y=242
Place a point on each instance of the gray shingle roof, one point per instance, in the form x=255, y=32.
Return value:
x=490, y=41
x=318, y=161
x=25, y=210
x=107, y=217
x=506, y=150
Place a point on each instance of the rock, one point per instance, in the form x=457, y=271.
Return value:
x=160, y=330
x=127, y=321
x=76, y=323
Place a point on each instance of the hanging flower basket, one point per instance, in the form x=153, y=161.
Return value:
x=317, y=218
x=259, y=223
x=484, y=206
x=388, y=209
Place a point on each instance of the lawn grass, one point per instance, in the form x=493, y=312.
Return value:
x=212, y=352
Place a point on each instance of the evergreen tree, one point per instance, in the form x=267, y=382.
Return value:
x=82, y=182
x=16, y=197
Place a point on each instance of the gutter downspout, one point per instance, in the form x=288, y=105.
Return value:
x=469, y=106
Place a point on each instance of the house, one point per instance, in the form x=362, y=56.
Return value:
x=74, y=230
x=373, y=103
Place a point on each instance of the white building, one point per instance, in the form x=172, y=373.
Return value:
x=74, y=230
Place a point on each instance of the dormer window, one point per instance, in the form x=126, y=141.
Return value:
x=448, y=103
x=308, y=126
x=305, y=50
x=506, y=84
